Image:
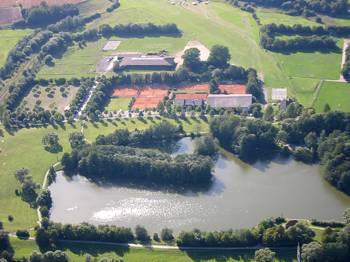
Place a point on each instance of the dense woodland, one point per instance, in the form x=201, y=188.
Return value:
x=315, y=137
x=117, y=157
x=303, y=7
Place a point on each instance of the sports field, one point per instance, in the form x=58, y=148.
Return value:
x=337, y=95
x=8, y=40
x=118, y=103
x=216, y=23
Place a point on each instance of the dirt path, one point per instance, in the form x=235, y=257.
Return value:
x=343, y=60
x=204, y=52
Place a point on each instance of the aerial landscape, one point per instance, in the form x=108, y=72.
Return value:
x=174, y=130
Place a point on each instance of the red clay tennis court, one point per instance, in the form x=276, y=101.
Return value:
x=159, y=91
x=233, y=89
x=195, y=88
x=125, y=92
x=146, y=102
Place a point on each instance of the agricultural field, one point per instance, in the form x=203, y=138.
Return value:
x=50, y=97
x=335, y=94
x=30, y=3
x=9, y=15
x=8, y=40
x=118, y=103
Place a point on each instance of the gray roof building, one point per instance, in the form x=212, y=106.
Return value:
x=146, y=62
x=230, y=101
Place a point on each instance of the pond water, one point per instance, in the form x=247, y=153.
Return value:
x=240, y=196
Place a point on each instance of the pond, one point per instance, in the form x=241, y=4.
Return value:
x=240, y=196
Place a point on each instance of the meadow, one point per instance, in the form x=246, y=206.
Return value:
x=30, y=153
x=8, y=40
x=118, y=103
x=216, y=23
x=335, y=94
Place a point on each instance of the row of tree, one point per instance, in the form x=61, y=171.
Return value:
x=346, y=66
x=309, y=39
x=303, y=7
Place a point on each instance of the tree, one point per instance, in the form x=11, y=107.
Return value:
x=264, y=255
x=167, y=234
x=192, y=60
x=346, y=216
x=76, y=140
x=219, y=56
x=21, y=174
x=311, y=141
x=205, y=145
x=44, y=199
x=312, y=252
x=269, y=113
x=51, y=142
x=141, y=234
x=213, y=87
x=326, y=108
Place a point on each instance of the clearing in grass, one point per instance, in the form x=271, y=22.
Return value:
x=118, y=103
x=336, y=94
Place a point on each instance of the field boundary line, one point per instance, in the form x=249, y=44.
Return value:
x=317, y=93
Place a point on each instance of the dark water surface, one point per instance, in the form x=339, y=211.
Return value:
x=241, y=196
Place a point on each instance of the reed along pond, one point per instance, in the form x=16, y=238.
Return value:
x=241, y=195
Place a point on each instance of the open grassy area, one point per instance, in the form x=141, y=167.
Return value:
x=50, y=98
x=305, y=89
x=335, y=94
x=24, y=149
x=78, y=253
x=118, y=103
x=216, y=23
x=8, y=40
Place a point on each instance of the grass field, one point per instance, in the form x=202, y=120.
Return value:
x=78, y=253
x=216, y=23
x=30, y=153
x=56, y=101
x=335, y=94
x=118, y=103
x=8, y=40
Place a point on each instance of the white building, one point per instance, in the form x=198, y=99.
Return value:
x=279, y=94
x=230, y=101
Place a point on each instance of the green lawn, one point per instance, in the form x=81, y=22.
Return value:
x=336, y=95
x=304, y=89
x=24, y=149
x=8, y=40
x=78, y=252
x=118, y=103
x=216, y=23
x=267, y=16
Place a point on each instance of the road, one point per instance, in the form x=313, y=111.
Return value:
x=91, y=92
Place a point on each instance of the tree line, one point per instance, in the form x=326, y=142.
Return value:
x=309, y=38
x=44, y=14
x=302, y=7
x=117, y=157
